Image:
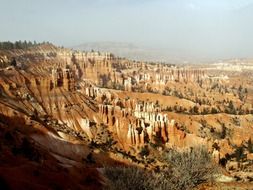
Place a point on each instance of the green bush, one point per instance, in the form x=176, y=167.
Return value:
x=144, y=151
x=250, y=146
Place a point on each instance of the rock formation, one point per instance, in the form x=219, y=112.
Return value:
x=106, y=101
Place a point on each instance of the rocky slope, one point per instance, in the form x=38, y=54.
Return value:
x=84, y=109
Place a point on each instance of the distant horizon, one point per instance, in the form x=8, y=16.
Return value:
x=186, y=29
x=83, y=47
x=156, y=49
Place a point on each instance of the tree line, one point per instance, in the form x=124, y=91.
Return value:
x=7, y=45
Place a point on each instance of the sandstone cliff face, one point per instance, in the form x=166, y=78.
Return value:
x=67, y=92
x=62, y=88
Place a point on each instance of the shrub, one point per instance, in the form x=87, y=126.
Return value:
x=126, y=178
x=250, y=146
x=195, y=109
x=223, y=133
x=189, y=168
x=186, y=170
x=239, y=154
x=144, y=151
x=214, y=110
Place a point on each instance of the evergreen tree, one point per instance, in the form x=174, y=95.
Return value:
x=250, y=146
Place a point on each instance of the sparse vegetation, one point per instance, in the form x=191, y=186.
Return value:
x=239, y=153
x=189, y=168
x=185, y=170
x=151, y=108
x=126, y=178
x=250, y=146
x=144, y=151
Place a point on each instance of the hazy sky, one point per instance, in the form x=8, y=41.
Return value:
x=204, y=28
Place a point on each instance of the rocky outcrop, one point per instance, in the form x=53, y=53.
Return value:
x=79, y=91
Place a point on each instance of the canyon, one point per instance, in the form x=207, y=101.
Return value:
x=72, y=112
